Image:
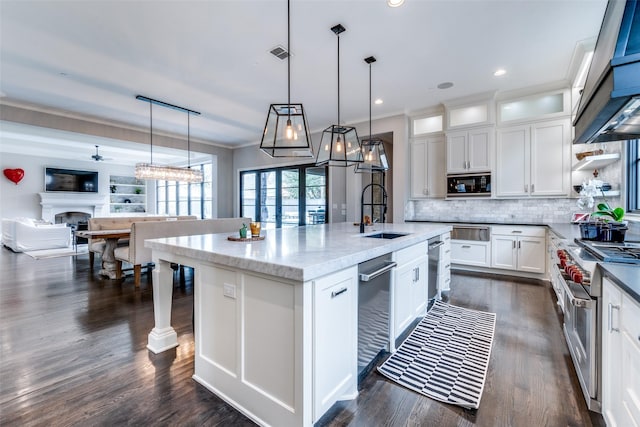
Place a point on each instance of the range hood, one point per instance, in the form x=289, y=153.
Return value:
x=609, y=109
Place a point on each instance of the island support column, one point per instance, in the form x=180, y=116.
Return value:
x=162, y=337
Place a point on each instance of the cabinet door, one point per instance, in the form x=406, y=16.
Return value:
x=512, y=162
x=630, y=353
x=402, y=296
x=428, y=176
x=418, y=183
x=479, y=149
x=436, y=173
x=503, y=252
x=470, y=253
x=420, y=291
x=457, y=152
x=611, y=374
x=550, y=158
x=531, y=254
x=335, y=338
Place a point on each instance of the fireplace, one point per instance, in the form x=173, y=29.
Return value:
x=59, y=203
x=75, y=220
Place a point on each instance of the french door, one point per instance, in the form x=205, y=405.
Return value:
x=284, y=197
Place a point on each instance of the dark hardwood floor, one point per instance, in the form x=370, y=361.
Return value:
x=73, y=352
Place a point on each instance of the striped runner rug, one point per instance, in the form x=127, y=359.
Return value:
x=446, y=356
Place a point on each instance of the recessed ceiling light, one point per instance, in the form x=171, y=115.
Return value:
x=378, y=101
x=445, y=85
x=395, y=3
x=500, y=72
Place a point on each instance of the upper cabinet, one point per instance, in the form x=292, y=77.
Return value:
x=470, y=150
x=470, y=112
x=533, y=159
x=545, y=106
x=427, y=155
x=428, y=178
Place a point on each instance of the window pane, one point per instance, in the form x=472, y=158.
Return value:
x=290, y=197
x=195, y=208
x=195, y=191
x=268, y=197
x=183, y=191
x=183, y=208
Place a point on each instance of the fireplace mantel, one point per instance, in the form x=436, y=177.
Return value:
x=55, y=203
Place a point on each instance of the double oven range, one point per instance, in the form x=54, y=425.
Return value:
x=581, y=292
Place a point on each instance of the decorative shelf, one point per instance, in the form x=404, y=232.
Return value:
x=596, y=162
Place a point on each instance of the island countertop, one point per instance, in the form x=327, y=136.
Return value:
x=299, y=253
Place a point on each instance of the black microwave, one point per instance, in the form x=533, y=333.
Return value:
x=469, y=185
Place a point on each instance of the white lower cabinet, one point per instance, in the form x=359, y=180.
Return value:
x=335, y=338
x=444, y=269
x=410, y=296
x=620, y=357
x=467, y=252
x=518, y=248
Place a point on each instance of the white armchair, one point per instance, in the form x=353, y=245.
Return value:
x=25, y=234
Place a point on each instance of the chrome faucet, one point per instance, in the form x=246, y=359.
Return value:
x=384, y=203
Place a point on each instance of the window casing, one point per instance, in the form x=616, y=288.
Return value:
x=285, y=197
x=633, y=176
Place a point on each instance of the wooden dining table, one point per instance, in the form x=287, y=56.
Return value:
x=110, y=266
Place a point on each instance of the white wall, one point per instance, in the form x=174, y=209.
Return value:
x=23, y=199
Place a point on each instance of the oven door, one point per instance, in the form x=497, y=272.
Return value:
x=580, y=332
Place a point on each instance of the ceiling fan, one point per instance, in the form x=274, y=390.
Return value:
x=97, y=157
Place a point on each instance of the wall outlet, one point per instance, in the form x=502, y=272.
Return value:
x=229, y=290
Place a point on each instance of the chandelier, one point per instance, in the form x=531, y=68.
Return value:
x=150, y=171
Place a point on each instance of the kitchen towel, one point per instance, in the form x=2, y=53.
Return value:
x=446, y=356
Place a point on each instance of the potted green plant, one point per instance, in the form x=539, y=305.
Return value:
x=113, y=188
x=604, y=210
x=138, y=190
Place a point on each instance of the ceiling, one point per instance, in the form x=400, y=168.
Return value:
x=92, y=58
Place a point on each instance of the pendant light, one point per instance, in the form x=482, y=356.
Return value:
x=286, y=133
x=373, y=153
x=150, y=171
x=339, y=145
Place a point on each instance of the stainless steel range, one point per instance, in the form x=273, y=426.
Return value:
x=582, y=292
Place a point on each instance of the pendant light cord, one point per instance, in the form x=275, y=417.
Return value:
x=289, y=58
x=338, y=79
x=151, y=128
x=369, y=102
x=188, y=140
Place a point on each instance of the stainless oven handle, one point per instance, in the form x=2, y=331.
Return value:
x=573, y=300
x=611, y=308
x=365, y=277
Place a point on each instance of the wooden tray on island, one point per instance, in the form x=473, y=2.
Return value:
x=245, y=239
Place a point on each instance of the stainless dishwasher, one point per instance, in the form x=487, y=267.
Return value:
x=374, y=288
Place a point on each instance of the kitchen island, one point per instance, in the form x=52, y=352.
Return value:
x=275, y=320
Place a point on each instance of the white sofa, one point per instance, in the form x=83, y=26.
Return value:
x=138, y=255
x=26, y=234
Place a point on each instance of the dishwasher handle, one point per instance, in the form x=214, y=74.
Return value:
x=435, y=245
x=365, y=277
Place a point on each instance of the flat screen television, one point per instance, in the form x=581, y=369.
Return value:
x=70, y=180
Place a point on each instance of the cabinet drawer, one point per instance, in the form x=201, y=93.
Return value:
x=410, y=254
x=506, y=230
x=630, y=312
x=469, y=253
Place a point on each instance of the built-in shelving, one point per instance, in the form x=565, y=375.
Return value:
x=596, y=162
x=127, y=194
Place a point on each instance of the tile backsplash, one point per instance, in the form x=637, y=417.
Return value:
x=520, y=211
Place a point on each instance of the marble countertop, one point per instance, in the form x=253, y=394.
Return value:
x=627, y=277
x=298, y=253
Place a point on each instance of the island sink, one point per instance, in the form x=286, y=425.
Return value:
x=387, y=235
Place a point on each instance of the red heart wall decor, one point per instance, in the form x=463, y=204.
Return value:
x=14, y=175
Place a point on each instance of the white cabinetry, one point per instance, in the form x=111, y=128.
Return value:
x=470, y=150
x=467, y=252
x=410, y=286
x=533, y=159
x=518, y=248
x=428, y=178
x=444, y=267
x=335, y=338
x=620, y=357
